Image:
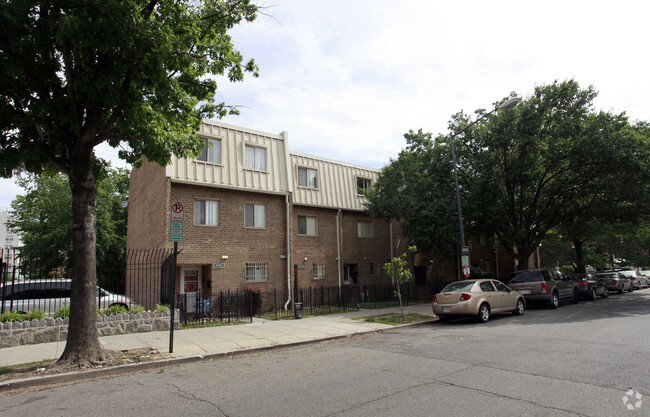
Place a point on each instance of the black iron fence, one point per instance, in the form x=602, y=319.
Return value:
x=224, y=306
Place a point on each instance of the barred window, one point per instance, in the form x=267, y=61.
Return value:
x=319, y=271
x=257, y=271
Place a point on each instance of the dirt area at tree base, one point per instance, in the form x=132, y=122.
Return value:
x=118, y=358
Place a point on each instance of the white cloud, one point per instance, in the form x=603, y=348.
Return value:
x=347, y=78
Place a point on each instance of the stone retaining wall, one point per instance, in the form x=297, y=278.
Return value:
x=55, y=330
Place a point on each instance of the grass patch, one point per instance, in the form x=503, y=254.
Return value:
x=372, y=305
x=395, y=319
x=25, y=367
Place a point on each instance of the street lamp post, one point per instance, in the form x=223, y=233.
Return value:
x=463, y=247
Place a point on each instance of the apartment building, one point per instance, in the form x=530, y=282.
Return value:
x=258, y=215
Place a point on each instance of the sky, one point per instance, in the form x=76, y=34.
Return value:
x=347, y=79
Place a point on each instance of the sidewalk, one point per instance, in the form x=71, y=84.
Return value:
x=220, y=340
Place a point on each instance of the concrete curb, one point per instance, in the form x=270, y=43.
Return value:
x=74, y=377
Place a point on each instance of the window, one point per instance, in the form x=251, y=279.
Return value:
x=364, y=228
x=363, y=184
x=254, y=215
x=374, y=268
x=307, y=177
x=206, y=212
x=307, y=225
x=319, y=271
x=211, y=152
x=255, y=158
x=487, y=286
x=500, y=286
x=257, y=271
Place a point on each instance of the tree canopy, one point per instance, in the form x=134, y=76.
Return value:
x=138, y=74
x=551, y=162
x=42, y=217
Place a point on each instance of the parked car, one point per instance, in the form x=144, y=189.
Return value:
x=615, y=281
x=589, y=287
x=49, y=295
x=646, y=274
x=638, y=280
x=479, y=298
x=544, y=285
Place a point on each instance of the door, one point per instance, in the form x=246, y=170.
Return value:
x=191, y=284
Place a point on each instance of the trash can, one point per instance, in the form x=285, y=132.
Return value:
x=297, y=307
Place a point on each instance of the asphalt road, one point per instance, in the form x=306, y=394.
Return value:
x=578, y=360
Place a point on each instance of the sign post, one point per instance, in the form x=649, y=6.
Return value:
x=175, y=235
x=464, y=252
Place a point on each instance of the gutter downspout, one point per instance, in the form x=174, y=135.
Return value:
x=288, y=254
x=338, y=247
x=390, y=236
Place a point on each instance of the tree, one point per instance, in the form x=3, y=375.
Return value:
x=136, y=73
x=42, y=216
x=398, y=269
x=532, y=168
x=416, y=189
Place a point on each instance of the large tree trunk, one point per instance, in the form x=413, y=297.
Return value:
x=82, y=345
x=580, y=257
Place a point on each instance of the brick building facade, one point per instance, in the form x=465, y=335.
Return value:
x=258, y=215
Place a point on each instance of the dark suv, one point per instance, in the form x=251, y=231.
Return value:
x=544, y=285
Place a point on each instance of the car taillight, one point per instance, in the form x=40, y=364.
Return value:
x=464, y=297
x=614, y=282
x=582, y=284
x=632, y=278
x=544, y=287
x=435, y=300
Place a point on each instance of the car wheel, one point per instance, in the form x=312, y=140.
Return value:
x=622, y=290
x=574, y=300
x=631, y=289
x=605, y=293
x=519, y=310
x=483, y=313
x=594, y=296
x=555, y=300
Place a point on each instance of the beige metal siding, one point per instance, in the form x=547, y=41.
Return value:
x=231, y=171
x=336, y=182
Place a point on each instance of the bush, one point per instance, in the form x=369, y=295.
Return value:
x=36, y=315
x=11, y=316
x=137, y=309
x=115, y=309
x=62, y=313
x=161, y=308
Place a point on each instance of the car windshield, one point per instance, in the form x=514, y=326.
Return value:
x=459, y=286
x=526, y=276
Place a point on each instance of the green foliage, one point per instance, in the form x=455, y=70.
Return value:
x=44, y=219
x=417, y=190
x=115, y=309
x=62, y=313
x=161, y=308
x=137, y=309
x=11, y=316
x=399, y=270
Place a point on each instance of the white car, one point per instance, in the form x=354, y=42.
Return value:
x=49, y=295
x=638, y=280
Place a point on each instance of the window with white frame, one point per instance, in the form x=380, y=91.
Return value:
x=364, y=228
x=318, y=271
x=211, y=152
x=307, y=177
x=254, y=215
x=206, y=212
x=307, y=225
x=257, y=271
x=374, y=269
x=255, y=158
x=363, y=184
